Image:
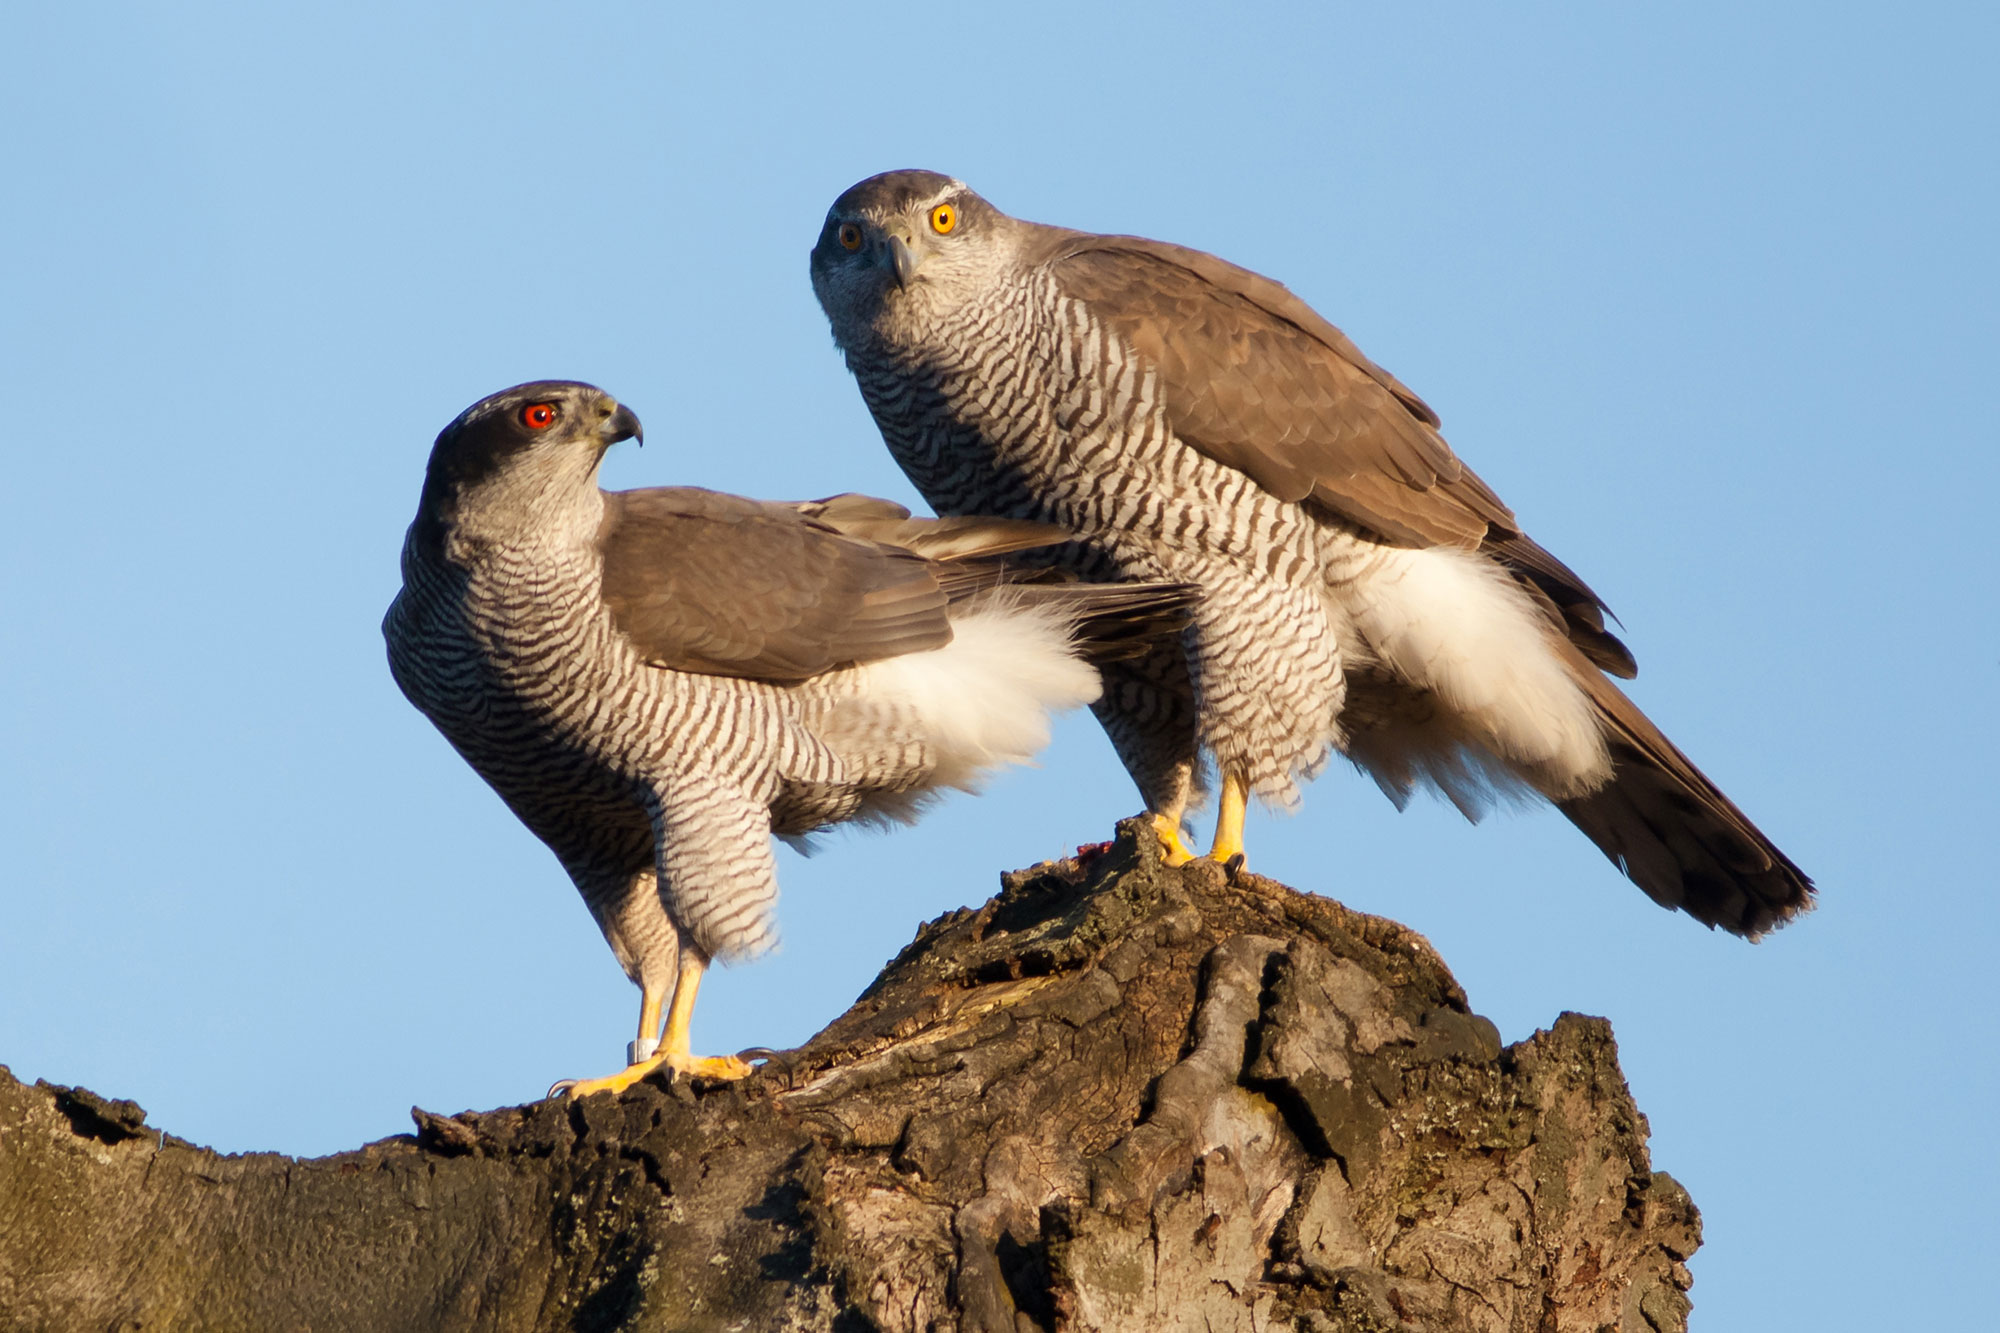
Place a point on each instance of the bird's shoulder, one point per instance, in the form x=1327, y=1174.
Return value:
x=1256, y=379
x=1115, y=269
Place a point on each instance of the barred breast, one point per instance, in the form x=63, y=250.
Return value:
x=517, y=663
x=1028, y=407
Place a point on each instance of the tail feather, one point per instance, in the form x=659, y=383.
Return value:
x=1111, y=622
x=984, y=700
x=1025, y=644
x=1114, y=622
x=1674, y=833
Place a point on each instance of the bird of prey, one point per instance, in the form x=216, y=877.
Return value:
x=1365, y=592
x=656, y=681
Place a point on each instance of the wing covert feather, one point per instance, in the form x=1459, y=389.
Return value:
x=885, y=521
x=1255, y=379
x=1258, y=380
x=721, y=585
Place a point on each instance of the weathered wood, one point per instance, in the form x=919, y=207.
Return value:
x=1118, y=1096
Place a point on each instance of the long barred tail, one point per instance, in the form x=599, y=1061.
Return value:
x=1674, y=832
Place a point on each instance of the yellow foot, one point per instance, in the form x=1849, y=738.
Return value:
x=1170, y=838
x=703, y=1066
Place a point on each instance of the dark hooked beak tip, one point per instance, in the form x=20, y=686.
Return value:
x=623, y=425
x=903, y=261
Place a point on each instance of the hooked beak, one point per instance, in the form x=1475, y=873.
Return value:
x=622, y=424
x=903, y=260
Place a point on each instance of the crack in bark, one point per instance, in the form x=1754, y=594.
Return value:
x=1118, y=1096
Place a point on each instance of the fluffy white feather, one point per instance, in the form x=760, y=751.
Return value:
x=985, y=698
x=1456, y=624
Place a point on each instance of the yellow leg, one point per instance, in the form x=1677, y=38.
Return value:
x=674, y=1049
x=1169, y=830
x=650, y=1003
x=677, y=1045
x=1229, y=818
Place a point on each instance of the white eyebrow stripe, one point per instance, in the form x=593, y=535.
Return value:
x=944, y=192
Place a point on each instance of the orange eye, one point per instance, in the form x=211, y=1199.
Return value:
x=943, y=218
x=538, y=416
x=850, y=236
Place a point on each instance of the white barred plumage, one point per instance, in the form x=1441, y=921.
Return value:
x=603, y=660
x=1363, y=591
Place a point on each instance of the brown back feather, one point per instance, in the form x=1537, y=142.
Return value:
x=1256, y=379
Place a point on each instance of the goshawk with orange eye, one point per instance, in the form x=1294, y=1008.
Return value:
x=1364, y=592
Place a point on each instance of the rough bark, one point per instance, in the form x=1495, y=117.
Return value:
x=1118, y=1096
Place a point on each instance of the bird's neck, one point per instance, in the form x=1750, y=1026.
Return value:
x=541, y=507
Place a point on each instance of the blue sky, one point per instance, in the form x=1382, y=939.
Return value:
x=1707, y=293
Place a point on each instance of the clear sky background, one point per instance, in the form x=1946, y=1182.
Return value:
x=1707, y=292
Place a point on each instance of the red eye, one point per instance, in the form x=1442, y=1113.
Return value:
x=538, y=416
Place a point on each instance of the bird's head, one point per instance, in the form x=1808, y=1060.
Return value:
x=527, y=449
x=903, y=245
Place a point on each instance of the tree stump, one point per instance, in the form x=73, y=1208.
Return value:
x=1119, y=1096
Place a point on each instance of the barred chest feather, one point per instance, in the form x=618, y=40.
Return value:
x=1032, y=408
x=510, y=659
x=516, y=661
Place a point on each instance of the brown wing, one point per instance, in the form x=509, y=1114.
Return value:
x=1254, y=378
x=712, y=583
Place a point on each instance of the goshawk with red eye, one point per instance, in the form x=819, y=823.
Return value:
x=657, y=681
